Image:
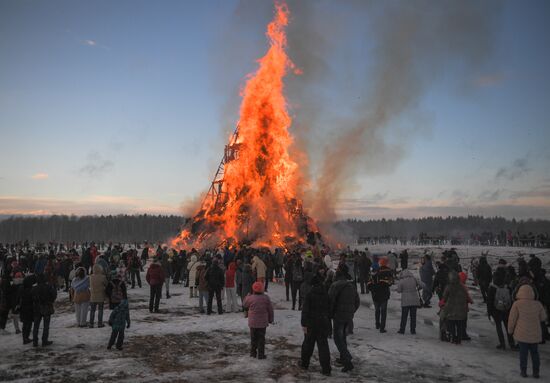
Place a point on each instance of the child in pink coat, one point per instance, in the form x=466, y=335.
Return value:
x=260, y=314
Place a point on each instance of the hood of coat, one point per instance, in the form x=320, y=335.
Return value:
x=406, y=274
x=526, y=292
x=98, y=269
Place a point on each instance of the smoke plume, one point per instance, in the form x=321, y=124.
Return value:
x=378, y=59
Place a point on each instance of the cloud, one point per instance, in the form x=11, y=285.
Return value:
x=39, y=176
x=96, y=166
x=488, y=80
x=92, y=43
x=89, y=205
x=520, y=209
x=541, y=191
x=516, y=170
x=490, y=195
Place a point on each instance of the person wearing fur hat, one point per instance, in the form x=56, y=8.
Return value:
x=379, y=286
x=524, y=324
x=260, y=314
x=344, y=301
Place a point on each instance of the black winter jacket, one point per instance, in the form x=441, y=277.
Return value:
x=316, y=310
x=344, y=300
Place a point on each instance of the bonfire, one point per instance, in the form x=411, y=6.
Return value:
x=256, y=195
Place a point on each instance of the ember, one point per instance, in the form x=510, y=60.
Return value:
x=255, y=197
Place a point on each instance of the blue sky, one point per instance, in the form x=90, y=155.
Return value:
x=124, y=107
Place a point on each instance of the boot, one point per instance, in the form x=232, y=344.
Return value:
x=46, y=343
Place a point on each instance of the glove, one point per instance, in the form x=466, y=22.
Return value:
x=128, y=325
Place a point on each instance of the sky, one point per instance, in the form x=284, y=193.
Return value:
x=124, y=107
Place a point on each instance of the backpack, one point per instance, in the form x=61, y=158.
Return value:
x=503, y=299
x=116, y=294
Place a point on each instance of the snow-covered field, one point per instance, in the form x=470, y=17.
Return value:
x=181, y=345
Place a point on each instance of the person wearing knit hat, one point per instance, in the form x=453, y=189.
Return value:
x=259, y=310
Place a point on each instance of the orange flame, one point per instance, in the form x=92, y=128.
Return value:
x=261, y=185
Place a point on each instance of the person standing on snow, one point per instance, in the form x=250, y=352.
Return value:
x=408, y=286
x=484, y=277
x=316, y=325
x=379, y=286
x=524, y=321
x=216, y=281
x=426, y=272
x=499, y=303
x=43, y=296
x=119, y=320
x=344, y=301
x=155, y=277
x=260, y=315
x=98, y=285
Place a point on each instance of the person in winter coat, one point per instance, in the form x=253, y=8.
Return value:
x=404, y=259
x=454, y=307
x=43, y=297
x=379, y=286
x=230, y=289
x=426, y=272
x=297, y=279
x=98, y=284
x=119, y=320
x=316, y=325
x=306, y=284
x=499, y=303
x=247, y=281
x=484, y=276
x=259, y=269
x=155, y=278
x=288, y=274
x=80, y=292
x=441, y=279
x=134, y=266
x=192, y=268
x=216, y=281
x=26, y=306
x=260, y=315
x=363, y=267
x=524, y=324
x=391, y=258
x=202, y=285
x=344, y=302
x=166, y=263
x=408, y=286
x=116, y=292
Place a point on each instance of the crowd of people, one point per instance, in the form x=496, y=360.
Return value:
x=325, y=287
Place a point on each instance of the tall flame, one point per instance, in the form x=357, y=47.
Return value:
x=261, y=185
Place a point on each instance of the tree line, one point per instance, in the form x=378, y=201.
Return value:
x=158, y=228
x=449, y=227
x=115, y=228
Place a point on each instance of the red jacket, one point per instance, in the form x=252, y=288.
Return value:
x=230, y=275
x=260, y=310
x=155, y=275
